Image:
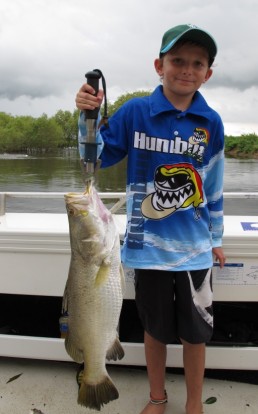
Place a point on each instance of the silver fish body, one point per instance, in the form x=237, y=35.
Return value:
x=93, y=295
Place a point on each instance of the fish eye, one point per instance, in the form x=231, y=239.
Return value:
x=70, y=211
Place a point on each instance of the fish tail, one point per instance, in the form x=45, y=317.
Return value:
x=95, y=396
x=116, y=351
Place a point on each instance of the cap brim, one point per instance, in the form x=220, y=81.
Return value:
x=195, y=35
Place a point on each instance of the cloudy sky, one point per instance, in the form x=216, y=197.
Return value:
x=47, y=46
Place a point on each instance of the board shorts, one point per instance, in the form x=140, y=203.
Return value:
x=175, y=305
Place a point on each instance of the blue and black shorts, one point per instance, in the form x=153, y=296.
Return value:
x=175, y=305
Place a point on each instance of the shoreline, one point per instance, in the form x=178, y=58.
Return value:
x=236, y=154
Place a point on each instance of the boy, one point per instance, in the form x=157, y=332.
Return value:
x=174, y=142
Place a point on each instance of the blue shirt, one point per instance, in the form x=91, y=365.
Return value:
x=174, y=180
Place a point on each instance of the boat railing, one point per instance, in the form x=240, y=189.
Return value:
x=119, y=196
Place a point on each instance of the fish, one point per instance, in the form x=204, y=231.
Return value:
x=93, y=295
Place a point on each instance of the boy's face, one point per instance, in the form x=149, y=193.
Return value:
x=183, y=69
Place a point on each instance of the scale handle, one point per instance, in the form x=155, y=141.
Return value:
x=93, y=78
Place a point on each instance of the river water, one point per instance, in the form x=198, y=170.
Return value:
x=62, y=173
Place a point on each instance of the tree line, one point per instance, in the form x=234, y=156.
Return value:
x=244, y=146
x=26, y=134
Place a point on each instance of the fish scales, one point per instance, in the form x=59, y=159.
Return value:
x=93, y=295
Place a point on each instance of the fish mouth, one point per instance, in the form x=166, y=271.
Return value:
x=80, y=196
x=76, y=198
x=77, y=204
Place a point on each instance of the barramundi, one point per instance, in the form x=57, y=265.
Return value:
x=93, y=295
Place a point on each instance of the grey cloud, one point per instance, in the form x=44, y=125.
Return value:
x=47, y=47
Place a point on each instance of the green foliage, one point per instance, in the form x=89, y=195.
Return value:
x=210, y=400
x=69, y=124
x=45, y=134
x=242, y=146
x=26, y=134
x=14, y=132
x=230, y=143
x=124, y=98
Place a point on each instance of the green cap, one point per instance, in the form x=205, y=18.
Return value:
x=188, y=32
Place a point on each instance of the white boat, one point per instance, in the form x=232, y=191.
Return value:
x=35, y=256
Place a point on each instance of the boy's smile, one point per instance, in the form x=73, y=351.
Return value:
x=183, y=70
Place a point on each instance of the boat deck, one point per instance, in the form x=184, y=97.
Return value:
x=50, y=387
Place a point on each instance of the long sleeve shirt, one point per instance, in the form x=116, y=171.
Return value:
x=174, y=180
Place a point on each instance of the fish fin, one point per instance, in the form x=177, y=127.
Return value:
x=75, y=353
x=95, y=396
x=102, y=274
x=65, y=299
x=79, y=375
x=116, y=351
x=122, y=277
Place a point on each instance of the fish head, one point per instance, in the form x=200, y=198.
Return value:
x=90, y=223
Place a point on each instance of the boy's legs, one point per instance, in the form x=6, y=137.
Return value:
x=154, y=299
x=195, y=321
x=156, y=353
x=194, y=365
x=195, y=324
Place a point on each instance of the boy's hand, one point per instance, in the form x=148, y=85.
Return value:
x=85, y=98
x=219, y=255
